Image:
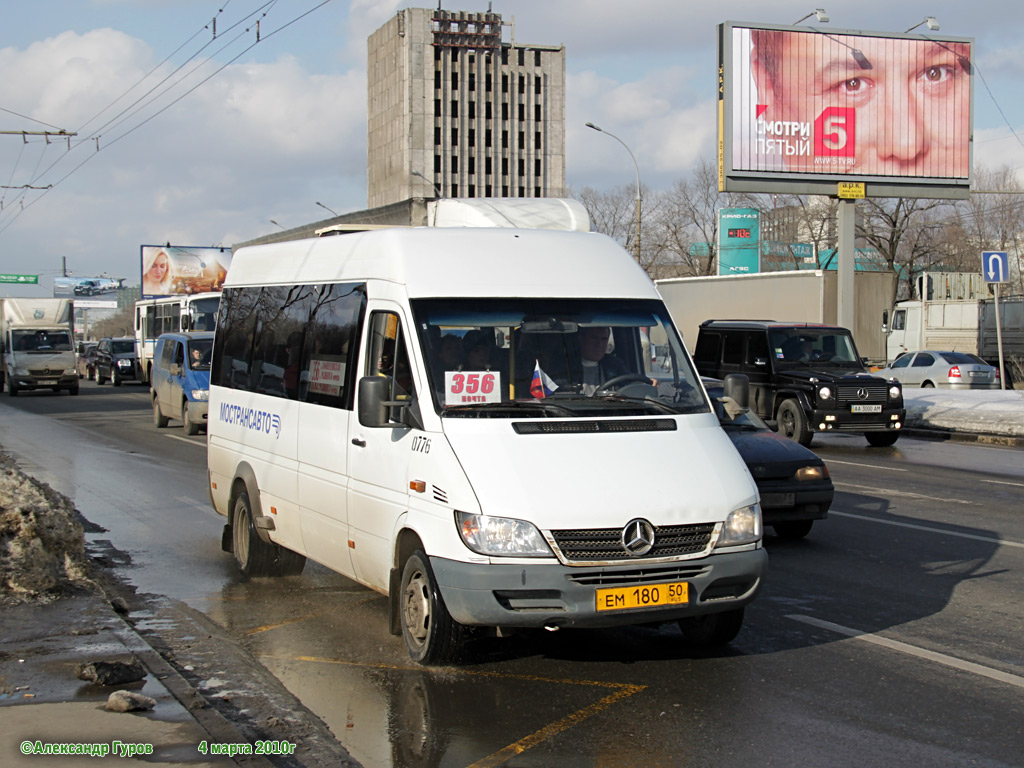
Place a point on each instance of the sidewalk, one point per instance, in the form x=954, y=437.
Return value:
x=992, y=415
x=43, y=702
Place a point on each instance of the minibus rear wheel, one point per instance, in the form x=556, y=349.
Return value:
x=712, y=629
x=431, y=635
x=254, y=556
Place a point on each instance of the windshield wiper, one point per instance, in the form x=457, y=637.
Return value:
x=528, y=405
x=614, y=397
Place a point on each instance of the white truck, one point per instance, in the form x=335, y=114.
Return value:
x=804, y=296
x=37, y=345
x=961, y=325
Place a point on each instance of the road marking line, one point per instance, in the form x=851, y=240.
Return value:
x=989, y=539
x=869, y=466
x=553, y=729
x=905, y=494
x=913, y=650
x=186, y=440
x=1003, y=482
x=622, y=691
x=268, y=627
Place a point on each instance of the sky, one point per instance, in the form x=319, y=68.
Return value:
x=254, y=132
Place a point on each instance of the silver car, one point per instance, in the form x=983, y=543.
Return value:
x=946, y=370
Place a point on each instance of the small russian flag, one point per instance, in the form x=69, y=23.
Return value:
x=542, y=384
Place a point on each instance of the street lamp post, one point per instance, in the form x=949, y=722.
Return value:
x=636, y=239
x=326, y=208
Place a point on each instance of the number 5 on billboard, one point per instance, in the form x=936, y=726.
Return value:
x=835, y=132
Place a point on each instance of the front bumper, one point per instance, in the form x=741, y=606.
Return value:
x=845, y=421
x=792, y=501
x=535, y=595
x=198, y=410
x=45, y=382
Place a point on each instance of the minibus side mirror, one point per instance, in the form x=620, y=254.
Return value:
x=737, y=386
x=735, y=395
x=885, y=321
x=373, y=407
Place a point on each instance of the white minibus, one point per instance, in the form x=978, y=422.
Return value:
x=170, y=314
x=466, y=421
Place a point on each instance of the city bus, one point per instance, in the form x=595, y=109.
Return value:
x=171, y=314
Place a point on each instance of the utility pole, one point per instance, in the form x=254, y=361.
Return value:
x=47, y=134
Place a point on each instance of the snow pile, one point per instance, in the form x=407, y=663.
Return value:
x=982, y=411
x=42, y=545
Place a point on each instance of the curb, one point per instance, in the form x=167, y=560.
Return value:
x=217, y=727
x=951, y=435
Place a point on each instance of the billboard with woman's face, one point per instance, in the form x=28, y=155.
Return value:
x=169, y=270
x=803, y=105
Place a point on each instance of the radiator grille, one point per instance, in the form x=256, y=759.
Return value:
x=846, y=394
x=605, y=544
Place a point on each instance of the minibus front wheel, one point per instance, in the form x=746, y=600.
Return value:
x=712, y=629
x=253, y=556
x=431, y=635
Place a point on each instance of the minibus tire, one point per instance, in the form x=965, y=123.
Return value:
x=431, y=635
x=712, y=629
x=255, y=557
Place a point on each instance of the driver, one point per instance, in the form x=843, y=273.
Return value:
x=598, y=365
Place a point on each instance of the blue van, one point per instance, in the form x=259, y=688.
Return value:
x=180, y=381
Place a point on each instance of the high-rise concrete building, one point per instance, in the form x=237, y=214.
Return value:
x=453, y=111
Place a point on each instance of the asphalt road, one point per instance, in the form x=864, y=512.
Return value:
x=891, y=636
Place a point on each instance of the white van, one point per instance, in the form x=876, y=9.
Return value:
x=421, y=410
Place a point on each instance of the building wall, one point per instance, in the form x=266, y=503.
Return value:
x=455, y=112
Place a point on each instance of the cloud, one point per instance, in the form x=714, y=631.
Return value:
x=656, y=117
x=257, y=141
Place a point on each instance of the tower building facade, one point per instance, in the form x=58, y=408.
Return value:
x=453, y=111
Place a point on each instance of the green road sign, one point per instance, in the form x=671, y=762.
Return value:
x=25, y=279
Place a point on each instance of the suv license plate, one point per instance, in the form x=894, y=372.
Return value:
x=47, y=382
x=647, y=596
x=865, y=409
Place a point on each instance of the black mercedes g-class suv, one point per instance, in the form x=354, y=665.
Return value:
x=807, y=378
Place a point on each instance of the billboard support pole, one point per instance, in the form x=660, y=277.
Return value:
x=845, y=267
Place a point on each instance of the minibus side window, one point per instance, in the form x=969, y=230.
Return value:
x=235, y=336
x=325, y=376
x=387, y=355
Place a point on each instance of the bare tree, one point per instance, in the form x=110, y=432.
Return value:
x=614, y=214
x=991, y=220
x=119, y=324
x=685, y=231
x=905, y=233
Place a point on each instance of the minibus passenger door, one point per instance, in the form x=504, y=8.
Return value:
x=379, y=454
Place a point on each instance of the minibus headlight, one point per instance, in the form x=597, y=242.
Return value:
x=742, y=526
x=200, y=394
x=501, y=536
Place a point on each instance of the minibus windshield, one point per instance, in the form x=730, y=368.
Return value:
x=519, y=357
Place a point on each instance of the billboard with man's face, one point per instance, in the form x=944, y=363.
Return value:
x=801, y=105
x=171, y=270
